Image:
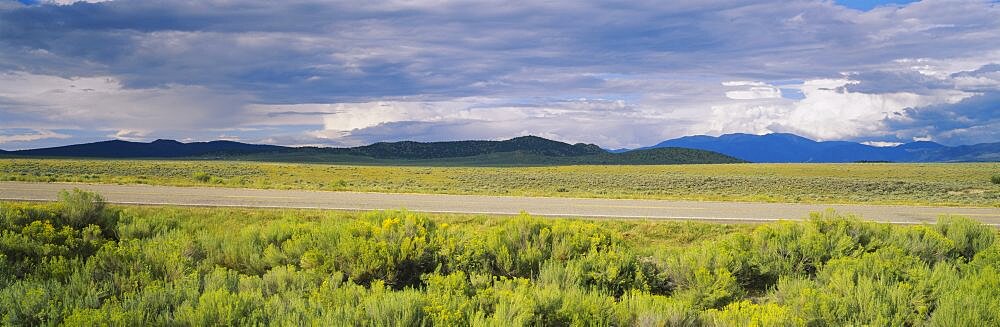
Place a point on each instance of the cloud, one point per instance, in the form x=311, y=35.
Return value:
x=18, y=135
x=972, y=120
x=752, y=91
x=320, y=71
x=829, y=110
x=130, y=135
x=577, y=120
x=881, y=144
x=102, y=102
x=878, y=82
x=983, y=79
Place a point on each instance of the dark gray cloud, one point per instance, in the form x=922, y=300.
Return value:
x=329, y=51
x=877, y=82
x=221, y=63
x=972, y=120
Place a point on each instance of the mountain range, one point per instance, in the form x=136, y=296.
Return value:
x=784, y=147
x=528, y=150
x=155, y=149
x=728, y=148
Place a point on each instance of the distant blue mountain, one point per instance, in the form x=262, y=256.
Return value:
x=784, y=147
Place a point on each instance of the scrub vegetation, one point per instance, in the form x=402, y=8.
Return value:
x=81, y=263
x=954, y=184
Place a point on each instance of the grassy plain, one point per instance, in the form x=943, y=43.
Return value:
x=959, y=184
x=79, y=263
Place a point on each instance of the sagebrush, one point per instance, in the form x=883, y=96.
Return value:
x=956, y=184
x=173, y=266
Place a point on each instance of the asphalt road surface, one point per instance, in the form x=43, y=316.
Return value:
x=478, y=204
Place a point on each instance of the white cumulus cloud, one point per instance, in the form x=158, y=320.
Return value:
x=33, y=135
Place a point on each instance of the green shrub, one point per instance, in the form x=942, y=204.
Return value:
x=995, y=179
x=973, y=303
x=224, y=308
x=31, y=303
x=385, y=307
x=201, y=176
x=644, y=309
x=81, y=208
x=968, y=236
x=394, y=247
x=746, y=313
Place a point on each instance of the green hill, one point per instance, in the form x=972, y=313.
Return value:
x=525, y=150
x=455, y=149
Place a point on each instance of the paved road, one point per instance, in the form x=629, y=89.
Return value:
x=572, y=207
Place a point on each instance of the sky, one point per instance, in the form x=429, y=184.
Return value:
x=619, y=74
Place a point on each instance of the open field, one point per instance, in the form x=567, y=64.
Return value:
x=484, y=204
x=959, y=184
x=80, y=263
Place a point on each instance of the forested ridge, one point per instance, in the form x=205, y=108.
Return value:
x=382, y=150
x=79, y=262
x=432, y=150
x=524, y=150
